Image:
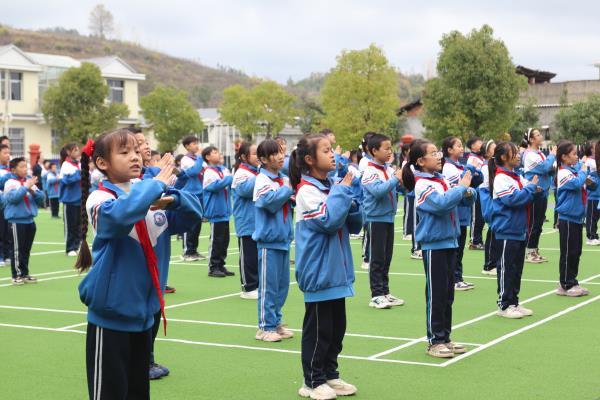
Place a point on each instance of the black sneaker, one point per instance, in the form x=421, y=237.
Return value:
x=227, y=272
x=216, y=273
x=169, y=289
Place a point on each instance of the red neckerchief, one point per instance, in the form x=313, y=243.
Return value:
x=286, y=206
x=73, y=163
x=383, y=169
x=456, y=164
x=6, y=168
x=444, y=185
x=247, y=168
x=501, y=171
x=220, y=173
x=151, y=260
x=583, y=192
x=304, y=182
x=26, y=198
x=542, y=155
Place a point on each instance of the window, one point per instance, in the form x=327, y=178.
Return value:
x=116, y=90
x=16, y=136
x=204, y=135
x=16, y=79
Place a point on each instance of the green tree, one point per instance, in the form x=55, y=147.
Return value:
x=476, y=90
x=238, y=108
x=527, y=117
x=171, y=115
x=360, y=94
x=310, y=114
x=75, y=106
x=581, y=121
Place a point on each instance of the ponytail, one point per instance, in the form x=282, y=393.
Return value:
x=408, y=177
x=84, y=258
x=492, y=172
x=418, y=149
x=307, y=146
x=294, y=171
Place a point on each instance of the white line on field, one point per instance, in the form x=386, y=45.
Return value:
x=47, y=252
x=44, y=274
x=52, y=243
x=54, y=310
x=47, y=279
x=68, y=327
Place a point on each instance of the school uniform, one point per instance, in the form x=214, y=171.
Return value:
x=475, y=162
x=536, y=163
x=123, y=289
x=362, y=165
x=5, y=233
x=96, y=176
x=52, y=188
x=438, y=231
x=242, y=187
x=217, y=209
x=70, y=196
x=380, y=204
x=273, y=235
x=570, y=206
x=326, y=215
x=510, y=203
x=20, y=208
x=592, y=214
x=190, y=180
x=485, y=200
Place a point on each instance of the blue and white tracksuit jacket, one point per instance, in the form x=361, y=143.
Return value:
x=20, y=204
x=380, y=193
x=70, y=183
x=52, y=184
x=570, y=194
x=453, y=172
x=536, y=163
x=243, y=199
x=215, y=193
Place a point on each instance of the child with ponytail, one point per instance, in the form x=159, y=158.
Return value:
x=570, y=205
x=437, y=232
x=124, y=289
x=70, y=196
x=510, y=203
x=487, y=151
x=326, y=215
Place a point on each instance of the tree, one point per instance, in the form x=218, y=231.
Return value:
x=476, y=90
x=310, y=113
x=581, y=121
x=171, y=115
x=360, y=94
x=239, y=109
x=101, y=22
x=527, y=117
x=75, y=107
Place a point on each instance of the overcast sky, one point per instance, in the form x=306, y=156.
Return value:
x=281, y=39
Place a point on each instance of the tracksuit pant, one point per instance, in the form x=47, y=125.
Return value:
x=323, y=331
x=54, y=206
x=509, y=264
x=381, y=249
x=155, y=328
x=570, y=251
x=190, y=240
x=439, y=293
x=537, y=216
x=366, y=243
x=273, y=286
x=409, y=209
x=117, y=363
x=477, y=223
x=5, y=237
x=460, y=252
x=248, y=263
x=22, y=239
x=592, y=214
x=219, y=243
x=489, y=261
x=72, y=220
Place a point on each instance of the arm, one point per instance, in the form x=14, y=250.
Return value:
x=184, y=213
x=218, y=184
x=193, y=169
x=354, y=221
x=39, y=197
x=328, y=216
x=377, y=187
x=574, y=182
x=515, y=198
x=15, y=195
x=272, y=200
x=430, y=200
x=245, y=188
x=70, y=179
x=544, y=167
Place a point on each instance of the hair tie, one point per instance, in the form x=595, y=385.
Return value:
x=88, y=149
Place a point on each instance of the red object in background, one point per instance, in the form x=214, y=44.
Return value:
x=407, y=138
x=34, y=153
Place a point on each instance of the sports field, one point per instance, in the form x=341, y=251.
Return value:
x=211, y=351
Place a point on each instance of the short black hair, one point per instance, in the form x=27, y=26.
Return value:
x=188, y=140
x=52, y=164
x=15, y=162
x=134, y=129
x=3, y=138
x=3, y=146
x=154, y=153
x=375, y=142
x=267, y=148
x=473, y=140
x=326, y=131
x=207, y=150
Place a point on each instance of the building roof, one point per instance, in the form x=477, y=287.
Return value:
x=535, y=74
x=209, y=113
x=11, y=57
x=115, y=67
x=409, y=106
x=52, y=60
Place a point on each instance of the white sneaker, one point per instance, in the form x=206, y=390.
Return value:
x=492, y=272
x=364, y=265
x=510, y=312
x=267, y=336
x=407, y=237
x=525, y=311
x=394, y=301
x=2, y=263
x=252, y=295
x=462, y=286
x=417, y=255
x=341, y=387
x=593, y=242
x=72, y=253
x=190, y=257
x=380, y=302
x=323, y=392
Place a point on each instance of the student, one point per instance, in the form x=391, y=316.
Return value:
x=438, y=231
x=475, y=160
x=131, y=249
x=21, y=200
x=570, y=206
x=246, y=169
x=192, y=167
x=45, y=170
x=536, y=163
x=592, y=214
x=362, y=165
x=286, y=162
x=52, y=184
x=154, y=158
x=327, y=214
x=341, y=160
x=217, y=209
x=488, y=149
x=357, y=193
x=509, y=222
x=70, y=196
x=273, y=234
x=453, y=170
x=380, y=203
x=5, y=233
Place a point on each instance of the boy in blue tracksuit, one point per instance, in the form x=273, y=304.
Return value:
x=192, y=167
x=70, y=196
x=380, y=203
x=5, y=234
x=217, y=209
x=52, y=185
x=273, y=235
x=21, y=200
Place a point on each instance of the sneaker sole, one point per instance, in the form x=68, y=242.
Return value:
x=449, y=355
x=378, y=307
x=464, y=289
x=510, y=316
x=29, y=282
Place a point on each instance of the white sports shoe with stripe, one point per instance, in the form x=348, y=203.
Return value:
x=323, y=392
x=380, y=302
x=393, y=300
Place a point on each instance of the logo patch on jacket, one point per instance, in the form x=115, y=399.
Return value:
x=160, y=219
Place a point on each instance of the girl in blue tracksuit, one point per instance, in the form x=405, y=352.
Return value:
x=273, y=235
x=487, y=150
x=453, y=171
x=124, y=288
x=510, y=203
x=70, y=196
x=570, y=205
x=244, y=177
x=326, y=214
x=437, y=232
x=592, y=214
x=52, y=188
x=216, y=183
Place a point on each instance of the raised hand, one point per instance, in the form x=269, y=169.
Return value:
x=466, y=179
x=553, y=150
x=166, y=173
x=347, y=181
x=162, y=203
x=29, y=183
x=535, y=180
